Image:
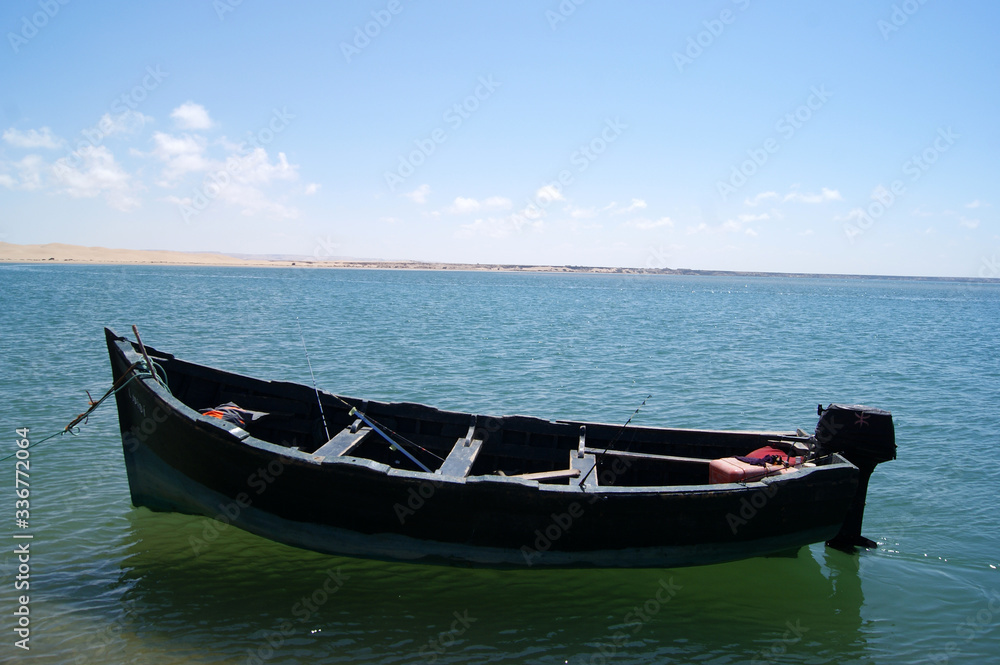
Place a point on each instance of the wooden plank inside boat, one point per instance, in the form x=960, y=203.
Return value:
x=342, y=443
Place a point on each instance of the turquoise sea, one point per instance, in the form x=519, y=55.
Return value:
x=113, y=584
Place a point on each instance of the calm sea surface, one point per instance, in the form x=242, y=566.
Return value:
x=113, y=584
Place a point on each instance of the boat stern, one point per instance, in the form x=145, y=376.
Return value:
x=865, y=437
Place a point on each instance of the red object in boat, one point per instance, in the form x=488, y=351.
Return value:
x=733, y=470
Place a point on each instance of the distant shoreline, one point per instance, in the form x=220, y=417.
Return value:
x=62, y=254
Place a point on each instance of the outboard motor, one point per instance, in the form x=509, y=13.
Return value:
x=866, y=437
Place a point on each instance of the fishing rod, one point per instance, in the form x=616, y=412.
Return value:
x=354, y=412
x=315, y=388
x=613, y=441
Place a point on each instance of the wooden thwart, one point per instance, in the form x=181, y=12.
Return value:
x=343, y=442
x=585, y=465
x=462, y=456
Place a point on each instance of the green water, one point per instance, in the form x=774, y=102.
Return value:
x=113, y=584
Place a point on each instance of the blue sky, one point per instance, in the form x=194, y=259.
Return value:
x=850, y=137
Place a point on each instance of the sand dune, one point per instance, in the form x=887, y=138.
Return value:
x=62, y=253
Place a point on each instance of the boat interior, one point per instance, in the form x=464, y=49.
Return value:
x=456, y=444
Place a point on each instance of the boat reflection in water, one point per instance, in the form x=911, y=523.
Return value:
x=246, y=596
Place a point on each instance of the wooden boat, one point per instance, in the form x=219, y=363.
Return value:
x=408, y=482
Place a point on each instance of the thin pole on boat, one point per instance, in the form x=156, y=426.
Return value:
x=392, y=444
x=614, y=440
x=315, y=389
x=353, y=411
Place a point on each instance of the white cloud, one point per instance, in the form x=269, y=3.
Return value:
x=31, y=172
x=499, y=227
x=462, y=205
x=95, y=173
x=852, y=215
x=644, y=224
x=238, y=180
x=29, y=177
x=253, y=201
x=975, y=204
x=824, y=195
x=312, y=188
x=256, y=169
x=760, y=198
x=581, y=213
x=498, y=202
x=739, y=224
x=191, y=116
x=637, y=204
x=177, y=200
x=32, y=138
x=181, y=155
x=419, y=195
x=548, y=194
x=969, y=223
x=248, y=175
x=129, y=122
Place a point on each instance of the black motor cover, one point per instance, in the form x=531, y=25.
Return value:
x=866, y=437
x=862, y=434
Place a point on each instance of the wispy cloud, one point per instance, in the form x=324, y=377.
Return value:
x=824, y=195
x=637, y=204
x=462, y=205
x=33, y=138
x=465, y=205
x=499, y=227
x=548, y=193
x=969, y=223
x=129, y=122
x=739, y=224
x=180, y=154
x=191, y=116
x=644, y=224
x=760, y=198
x=229, y=172
x=419, y=195
x=96, y=173
x=29, y=173
x=581, y=213
x=498, y=203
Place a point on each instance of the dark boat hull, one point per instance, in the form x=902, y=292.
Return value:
x=180, y=461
